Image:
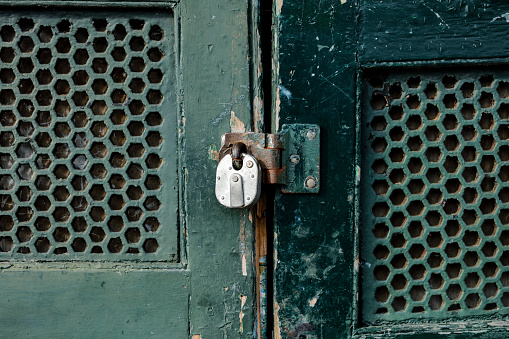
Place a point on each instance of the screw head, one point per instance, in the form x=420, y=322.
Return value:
x=311, y=134
x=235, y=178
x=249, y=164
x=222, y=197
x=310, y=182
x=294, y=159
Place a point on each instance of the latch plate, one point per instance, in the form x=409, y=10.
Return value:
x=290, y=158
x=302, y=157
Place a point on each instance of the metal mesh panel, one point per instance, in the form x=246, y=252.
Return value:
x=435, y=194
x=87, y=136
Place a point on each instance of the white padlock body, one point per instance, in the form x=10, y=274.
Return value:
x=238, y=188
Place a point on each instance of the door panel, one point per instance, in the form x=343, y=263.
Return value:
x=109, y=223
x=407, y=233
x=434, y=190
x=94, y=303
x=314, y=237
x=398, y=30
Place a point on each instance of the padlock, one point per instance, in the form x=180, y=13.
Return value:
x=238, y=188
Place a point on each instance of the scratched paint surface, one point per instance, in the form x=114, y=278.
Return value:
x=314, y=246
x=210, y=293
x=316, y=252
x=401, y=30
x=216, y=89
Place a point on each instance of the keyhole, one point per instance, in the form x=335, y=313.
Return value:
x=237, y=149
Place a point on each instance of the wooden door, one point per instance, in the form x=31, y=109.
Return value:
x=408, y=234
x=111, y=114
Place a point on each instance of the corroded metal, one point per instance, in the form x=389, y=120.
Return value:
x=274, y=152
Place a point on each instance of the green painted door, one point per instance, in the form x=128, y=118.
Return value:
x=111, y=114
x=409, y=233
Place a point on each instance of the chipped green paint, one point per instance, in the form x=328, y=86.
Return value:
x=315, y=242
x=319, y=264
x=179, y=290
x=213, y=153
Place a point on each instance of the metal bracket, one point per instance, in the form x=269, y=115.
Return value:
x=290, y=158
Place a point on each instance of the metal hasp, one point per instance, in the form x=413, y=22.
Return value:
x=290, y=158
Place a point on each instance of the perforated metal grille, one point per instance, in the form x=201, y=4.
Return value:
x=435, y=194
x=88, y=136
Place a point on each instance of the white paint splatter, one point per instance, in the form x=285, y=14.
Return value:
x=442, y=21
x=503, y=16
x=313, y=300
x=285, y=92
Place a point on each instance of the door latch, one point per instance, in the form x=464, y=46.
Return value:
x=290, y=159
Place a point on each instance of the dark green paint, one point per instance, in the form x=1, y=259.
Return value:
x=323, y=49
x=302, y=144
x=399, y=30
x=314, y=232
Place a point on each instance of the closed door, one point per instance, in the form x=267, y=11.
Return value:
x=408, y=234
x=110, y=113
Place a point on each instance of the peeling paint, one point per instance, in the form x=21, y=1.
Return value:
x=343, y=2
x=243, y=299
x=197, y=336
x=236, y=125
x=279, y=6
x=314, y=300
x=356, y=264
x=257, y=111
x=242, y=247
x=244, y=265
x=213, y=154
x=277, y=108
x=286, y=92
x=503, y=16
x=277, y=329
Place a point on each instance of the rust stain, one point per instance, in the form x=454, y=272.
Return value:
x=236, y=125
x=197, y=336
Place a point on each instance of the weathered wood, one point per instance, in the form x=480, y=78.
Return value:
x=93, y=303
x=314, y=233
x=210, y=293
x=399, y=30
x=216, y=100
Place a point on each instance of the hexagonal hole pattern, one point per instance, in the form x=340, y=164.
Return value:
x=81, y=138
x=434, y=190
